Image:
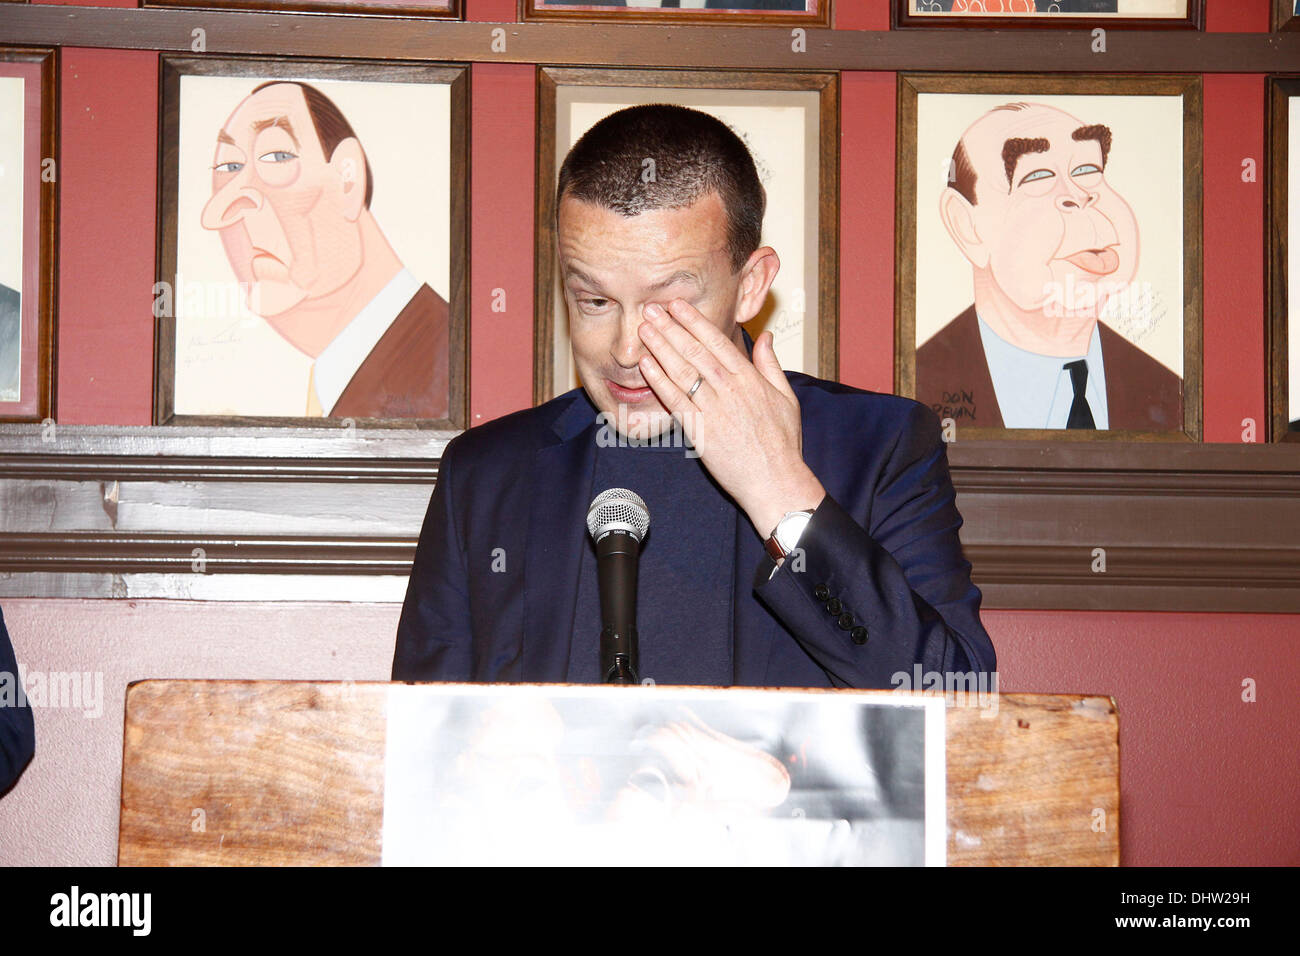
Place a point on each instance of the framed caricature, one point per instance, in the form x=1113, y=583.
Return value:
x=803, y=13
x=28, y=118
x=1075, y=14
x=789, y=121
x=440, y=9
x=1048, y=281
x=1283, y=250
x=311, y=244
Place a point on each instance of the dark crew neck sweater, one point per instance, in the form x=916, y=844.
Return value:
x=686, y=569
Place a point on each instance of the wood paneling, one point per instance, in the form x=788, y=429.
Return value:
x=245, y=773
x=1113, y=526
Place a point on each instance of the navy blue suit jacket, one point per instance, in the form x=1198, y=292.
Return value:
x=495, y=580
x=17, y=730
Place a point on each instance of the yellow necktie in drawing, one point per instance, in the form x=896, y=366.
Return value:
x=314, y=409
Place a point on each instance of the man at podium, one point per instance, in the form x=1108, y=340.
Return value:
x=803, y=533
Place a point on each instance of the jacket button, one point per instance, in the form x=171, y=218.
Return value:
x=821, y=592
x=834, y=606
x=846, y=621
x=859, y=634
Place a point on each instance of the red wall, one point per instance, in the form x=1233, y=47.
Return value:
x=1206, y=778
x=1203, y=776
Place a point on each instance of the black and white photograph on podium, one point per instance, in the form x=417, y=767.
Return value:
x=662, y=776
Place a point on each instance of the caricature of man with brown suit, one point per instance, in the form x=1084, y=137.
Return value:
x=291, y=189
x=1049, y=242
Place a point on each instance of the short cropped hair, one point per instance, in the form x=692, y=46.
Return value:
x=332, y=127
x=659, y=156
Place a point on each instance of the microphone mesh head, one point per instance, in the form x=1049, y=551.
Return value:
x=617, y=509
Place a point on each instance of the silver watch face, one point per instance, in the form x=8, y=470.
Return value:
x=789, y=528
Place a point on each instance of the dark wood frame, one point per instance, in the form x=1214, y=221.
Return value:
x=171, y=68
x=618, y=44
x=909, y=85
x=902, y=17
x=528, y=12
x=455, y=9
x=1284, y=15
x=1277, y=238
x=825, y=84
x=47, y=218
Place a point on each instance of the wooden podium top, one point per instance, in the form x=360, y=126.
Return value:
x=234, y=773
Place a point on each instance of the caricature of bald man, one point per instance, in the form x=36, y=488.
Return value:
x=291, y=190
x=1050, y=242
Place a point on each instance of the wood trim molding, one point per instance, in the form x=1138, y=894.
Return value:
x=1126, y=526
x=1180, y=527
x=640, y=45
x=203, y=453
x=78, y=552
x=143, y=468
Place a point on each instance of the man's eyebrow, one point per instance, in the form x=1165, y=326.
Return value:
x=224, y=137
x=280, y=121
x=1016, y=147
x=572, y=272
x=1096, y=132
x=681, y=275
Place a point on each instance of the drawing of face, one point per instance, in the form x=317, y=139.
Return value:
x=612, y=266
x=286, y=213
x=1045, y=226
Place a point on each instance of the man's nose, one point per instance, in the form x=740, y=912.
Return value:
x=629, y=348
x=1076, y=198
x=230, y=204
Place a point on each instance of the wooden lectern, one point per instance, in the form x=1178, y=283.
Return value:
x=235, y=773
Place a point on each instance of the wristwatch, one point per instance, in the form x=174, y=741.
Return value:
x=785, y=536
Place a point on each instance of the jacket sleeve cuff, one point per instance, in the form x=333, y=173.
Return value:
x=849, y=604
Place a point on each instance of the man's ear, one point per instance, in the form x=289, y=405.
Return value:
x=756, y=278
x=959, y=219
x=349, y=163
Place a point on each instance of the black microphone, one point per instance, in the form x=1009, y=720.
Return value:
x=618, y=521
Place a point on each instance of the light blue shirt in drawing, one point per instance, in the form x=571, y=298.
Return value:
x=1034, y=391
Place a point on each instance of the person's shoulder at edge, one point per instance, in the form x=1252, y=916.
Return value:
x=516, y=433
x=874, y=411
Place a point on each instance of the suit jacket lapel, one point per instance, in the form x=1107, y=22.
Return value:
x=1141, y=394
x=953, y=361
x=557, y=527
